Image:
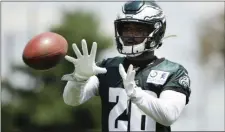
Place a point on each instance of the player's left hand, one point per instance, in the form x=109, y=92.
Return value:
x=128, y=79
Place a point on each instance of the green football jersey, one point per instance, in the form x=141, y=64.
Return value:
x=154, y=78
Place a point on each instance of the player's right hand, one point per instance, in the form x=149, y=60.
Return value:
x=85, y=65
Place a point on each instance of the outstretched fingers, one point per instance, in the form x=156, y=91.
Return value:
x=122, y=72
x=84, y=47
x=130, y=69
x=132, y=75
x=71, y=59
x=76, y=50
x=99, y=70
x=93, y=50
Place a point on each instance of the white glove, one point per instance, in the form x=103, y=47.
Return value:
x=85, y=65
x=128, y=80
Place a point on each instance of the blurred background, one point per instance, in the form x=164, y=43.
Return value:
x=32, y=100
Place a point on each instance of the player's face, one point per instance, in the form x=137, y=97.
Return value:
x=134, y=33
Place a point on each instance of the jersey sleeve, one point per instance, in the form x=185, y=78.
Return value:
x=179, y=82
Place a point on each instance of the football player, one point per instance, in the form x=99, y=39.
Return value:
x=139, y=92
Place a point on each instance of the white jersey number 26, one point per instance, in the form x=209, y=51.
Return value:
x=139, y=121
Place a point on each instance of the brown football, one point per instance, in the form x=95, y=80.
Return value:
x=45, y=51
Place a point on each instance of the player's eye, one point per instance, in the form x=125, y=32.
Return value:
x=127, y=29
x=140, y=29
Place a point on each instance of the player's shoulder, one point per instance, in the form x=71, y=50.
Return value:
x=171, y=66
x=112, y=62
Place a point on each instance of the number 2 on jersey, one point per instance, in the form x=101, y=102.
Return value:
x=138, y=120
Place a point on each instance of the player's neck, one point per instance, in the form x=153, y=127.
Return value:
x=143, y=59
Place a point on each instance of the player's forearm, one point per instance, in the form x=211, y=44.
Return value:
x=164, y=110
x=77, y=92
x=72, y=92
